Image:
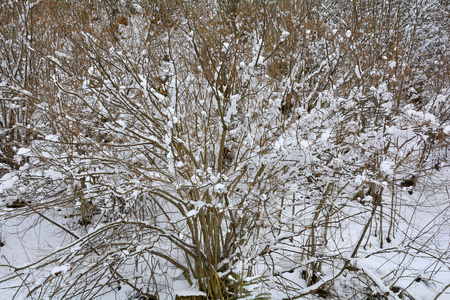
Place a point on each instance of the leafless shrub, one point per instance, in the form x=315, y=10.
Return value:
x=227, y=142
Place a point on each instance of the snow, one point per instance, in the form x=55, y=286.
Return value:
x=52, y=138
x=325, y=136
x=284, y=35
x=387, y=167
x=446, y=130
x=424, y=116
x=182, y=288
x=392, y=64
x=220, y=188
x=225, y=46
x=53, y=174
x=357, y=72
x=7, y=182
x=60, y=269
x=191, y=213
x=359, y=179
x=232, y=110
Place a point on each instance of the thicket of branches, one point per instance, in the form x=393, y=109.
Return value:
x=251, y=148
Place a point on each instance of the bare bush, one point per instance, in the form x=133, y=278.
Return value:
x=262, y=149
